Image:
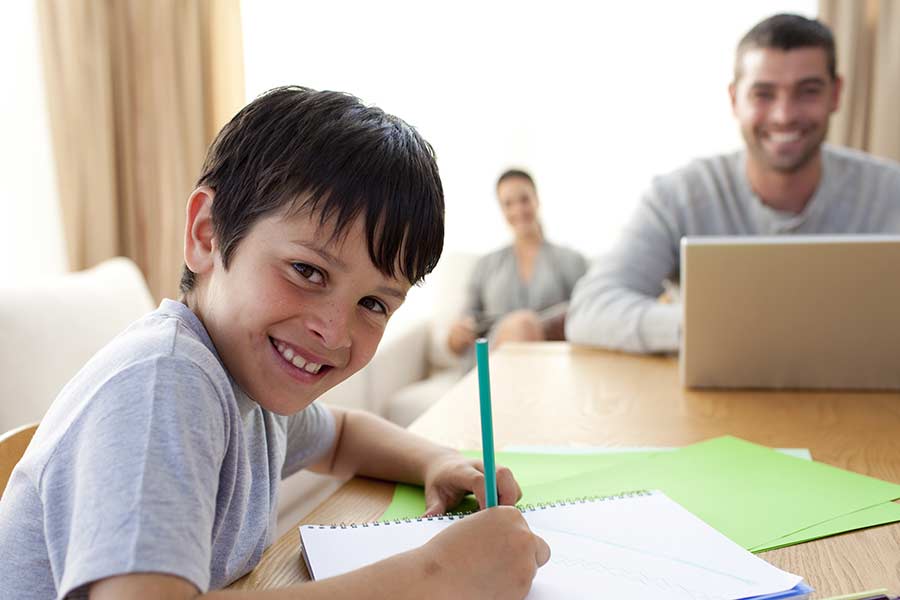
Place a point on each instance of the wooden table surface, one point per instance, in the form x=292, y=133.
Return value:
x=558, y=394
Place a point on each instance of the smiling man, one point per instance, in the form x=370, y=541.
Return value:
x=785, y=181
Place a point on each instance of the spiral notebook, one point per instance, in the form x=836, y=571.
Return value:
x=629, y=546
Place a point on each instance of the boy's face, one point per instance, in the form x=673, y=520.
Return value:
x=295, y=314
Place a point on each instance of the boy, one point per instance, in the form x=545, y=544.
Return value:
x=155, y=472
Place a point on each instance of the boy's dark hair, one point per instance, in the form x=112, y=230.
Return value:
x=787, y=32
x=327, y=153
x=511, y=173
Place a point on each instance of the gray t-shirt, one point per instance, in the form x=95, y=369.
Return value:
x=615, y=304
x=150, y=460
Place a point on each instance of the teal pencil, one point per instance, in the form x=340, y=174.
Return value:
x=487, y=423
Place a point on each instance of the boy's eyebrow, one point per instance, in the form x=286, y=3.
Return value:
x=321, y=251
x=389, y=291
x=328, y=256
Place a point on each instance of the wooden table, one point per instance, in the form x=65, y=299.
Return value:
x=557, y=394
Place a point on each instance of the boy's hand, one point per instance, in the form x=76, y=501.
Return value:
x=449, y=478
x=490, y=554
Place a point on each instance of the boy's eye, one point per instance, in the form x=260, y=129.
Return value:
x=370, y=303
x=310, y=273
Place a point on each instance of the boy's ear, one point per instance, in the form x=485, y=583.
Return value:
x=199, y=245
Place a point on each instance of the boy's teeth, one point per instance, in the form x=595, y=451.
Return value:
x=312, y=367
x=297, y=360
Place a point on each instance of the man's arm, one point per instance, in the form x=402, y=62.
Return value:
x=615, y=304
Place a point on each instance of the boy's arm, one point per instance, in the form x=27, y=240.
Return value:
x=369, y=445
x=489, y=554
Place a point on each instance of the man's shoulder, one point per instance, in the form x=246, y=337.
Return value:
x=699, y=183
x=856, y=162
x=726, y=164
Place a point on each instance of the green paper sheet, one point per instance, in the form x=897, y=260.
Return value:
x=880, y=514
x=752, y=494
x=536, y=467
x=551, y=477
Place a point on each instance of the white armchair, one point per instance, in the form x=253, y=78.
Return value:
x=50, y=329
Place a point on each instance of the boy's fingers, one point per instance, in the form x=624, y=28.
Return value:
x=542, y=552
x=508, y=490
x=477, y=487
x=434, y=506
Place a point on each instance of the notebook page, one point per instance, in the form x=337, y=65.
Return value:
x=633, y=547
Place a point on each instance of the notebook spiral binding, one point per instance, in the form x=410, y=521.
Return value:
x=457, y=516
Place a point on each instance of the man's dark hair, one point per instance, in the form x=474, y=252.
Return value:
x=787, y=32
x=511, y=173
x=326, y=153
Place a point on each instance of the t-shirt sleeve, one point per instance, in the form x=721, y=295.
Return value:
x=310, y=434
x=132, y=487
x=615, y=304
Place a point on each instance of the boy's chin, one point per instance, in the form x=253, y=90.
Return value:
x=286, y=408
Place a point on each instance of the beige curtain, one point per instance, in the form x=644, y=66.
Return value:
x=136, y=91
x=867, y=33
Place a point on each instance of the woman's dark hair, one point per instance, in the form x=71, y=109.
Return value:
x=511, y=173
x=328, y=154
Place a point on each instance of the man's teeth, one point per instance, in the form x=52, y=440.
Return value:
x=297, y=360
x=783, y=138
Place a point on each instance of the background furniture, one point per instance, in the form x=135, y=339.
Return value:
x=49, y=330
x=557, y=394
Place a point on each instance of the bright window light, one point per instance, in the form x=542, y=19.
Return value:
x=593, y=98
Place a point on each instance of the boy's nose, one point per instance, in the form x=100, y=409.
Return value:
x=333, y=329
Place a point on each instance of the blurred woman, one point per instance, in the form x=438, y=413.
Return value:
x=520, y=292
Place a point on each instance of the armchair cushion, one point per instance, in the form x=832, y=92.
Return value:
x=49, y=330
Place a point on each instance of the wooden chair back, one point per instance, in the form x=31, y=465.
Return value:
x=12, y=446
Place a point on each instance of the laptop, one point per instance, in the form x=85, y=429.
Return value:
x=801, y=312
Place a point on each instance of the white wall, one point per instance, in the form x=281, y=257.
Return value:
x=594, y=98
x=31, y=241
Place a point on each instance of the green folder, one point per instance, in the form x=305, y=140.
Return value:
x=752, y=494
x=760, y=498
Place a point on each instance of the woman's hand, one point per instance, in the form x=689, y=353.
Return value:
x=462, y=335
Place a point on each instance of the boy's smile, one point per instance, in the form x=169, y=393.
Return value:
x=296, y=312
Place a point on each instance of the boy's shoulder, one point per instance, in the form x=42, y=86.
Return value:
x=162, y=363
x=170, y=341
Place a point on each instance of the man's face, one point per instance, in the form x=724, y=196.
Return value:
x=782, y=101
x=296, y=314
